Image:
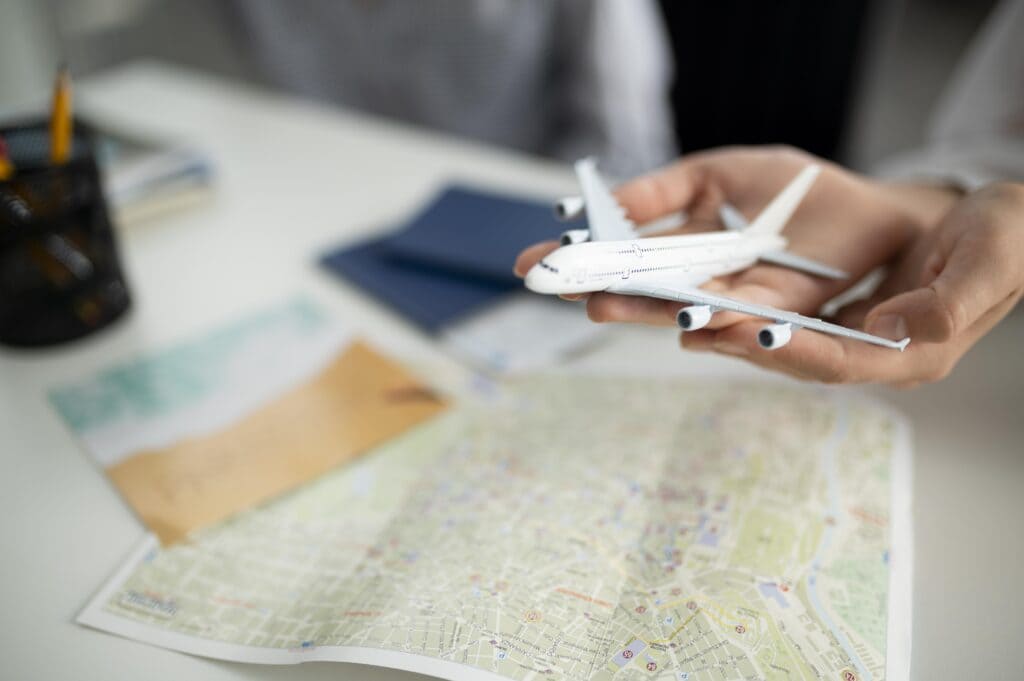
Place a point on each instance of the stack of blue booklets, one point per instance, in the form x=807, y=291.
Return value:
x=452, y=259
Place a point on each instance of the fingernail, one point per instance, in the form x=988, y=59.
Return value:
x=891, y=326
x=727, y=348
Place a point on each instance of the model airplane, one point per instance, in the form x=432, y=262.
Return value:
x=610, y=257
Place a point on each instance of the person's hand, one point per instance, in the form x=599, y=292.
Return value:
x=845, y=221
x=946, y=291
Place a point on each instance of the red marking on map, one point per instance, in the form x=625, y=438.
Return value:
x=740, y=629
x=868, y=517
x=627, y=653
x=651, y=666
x=641, y=609
x=583, y=597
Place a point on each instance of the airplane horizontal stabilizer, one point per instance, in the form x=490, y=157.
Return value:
x=732, y=218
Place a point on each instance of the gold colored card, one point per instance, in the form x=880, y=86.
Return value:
x=195, y=434
x=360, y=400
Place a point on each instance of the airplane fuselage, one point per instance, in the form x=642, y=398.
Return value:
x=690, y=259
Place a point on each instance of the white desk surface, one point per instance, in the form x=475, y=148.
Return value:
x=294, y=178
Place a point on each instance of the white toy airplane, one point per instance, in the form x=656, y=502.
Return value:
x=610, y=257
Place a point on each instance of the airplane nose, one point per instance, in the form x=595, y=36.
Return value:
x=532, y=277
x=538, y=280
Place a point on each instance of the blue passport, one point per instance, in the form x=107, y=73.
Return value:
x=426, y=296
x=452, y=258
x=475, y=232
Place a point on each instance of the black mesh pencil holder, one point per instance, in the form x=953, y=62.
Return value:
x=60, y=277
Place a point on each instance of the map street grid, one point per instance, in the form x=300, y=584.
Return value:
x=571, y=528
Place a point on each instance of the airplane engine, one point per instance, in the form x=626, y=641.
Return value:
x=694, y=317
x=774, y=336
x=575, y=236
x=569, y=208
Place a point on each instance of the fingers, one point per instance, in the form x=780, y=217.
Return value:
x=979, y=272
x=704, y=206
x=752, y=292
x=853, y=315
x=665, y=190
x=963, y=280
x=609, y=307
x=531, y=256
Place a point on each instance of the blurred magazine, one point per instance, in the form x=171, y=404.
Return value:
x=147, y=177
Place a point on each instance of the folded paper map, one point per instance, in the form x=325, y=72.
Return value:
x=568, y=528
x=194, y=434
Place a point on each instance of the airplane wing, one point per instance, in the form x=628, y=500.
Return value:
x=667, y=291
x=605, y=217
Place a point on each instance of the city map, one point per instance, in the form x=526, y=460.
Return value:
x=568, y=527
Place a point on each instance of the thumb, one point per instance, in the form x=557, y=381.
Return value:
x=663, y=191
x=920, y=314
x=967, y=286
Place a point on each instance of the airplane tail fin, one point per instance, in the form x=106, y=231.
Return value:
x=775, y=216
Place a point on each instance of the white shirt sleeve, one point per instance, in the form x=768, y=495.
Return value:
x=977, y=131
x=618, y=85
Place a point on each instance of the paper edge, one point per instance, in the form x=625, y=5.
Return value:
x=94, y=616
x=899, y=630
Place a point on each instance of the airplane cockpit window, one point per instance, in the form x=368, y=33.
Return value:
x=548, y=267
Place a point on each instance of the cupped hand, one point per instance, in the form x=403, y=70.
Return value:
x=946, y=291
x=846, y=221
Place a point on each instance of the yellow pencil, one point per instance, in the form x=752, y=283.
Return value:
x=60, y=119
x=6, y=167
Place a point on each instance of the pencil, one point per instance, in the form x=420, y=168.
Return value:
x=6, y=167
x=60, y=118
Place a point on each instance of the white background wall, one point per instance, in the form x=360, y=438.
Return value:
x=27, y=53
